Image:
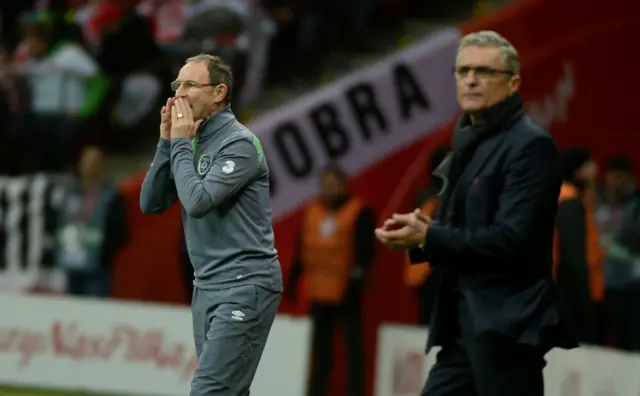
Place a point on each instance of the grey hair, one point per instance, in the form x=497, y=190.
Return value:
x=219, y=71
x=489, y=38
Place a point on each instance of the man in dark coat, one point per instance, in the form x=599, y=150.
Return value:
x=497, y=309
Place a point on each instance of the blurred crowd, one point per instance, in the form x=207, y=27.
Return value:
x=75, y=73
x=598, y=249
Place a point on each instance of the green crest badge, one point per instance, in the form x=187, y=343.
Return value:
x=204, y=164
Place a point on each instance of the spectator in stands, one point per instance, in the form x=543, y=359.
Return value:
x=237, y=31
x=577, y=252
x=11, y=11
x=13, y=106
x=64, y=9
x=285, y=15
x=618, y=215
x=168, y=18
x=346, y=22
x=5, y=112
x=126, y=41
x=416, y=276
x=334, y=253
x=92, y=228
x=66, y=86
x=129, y=56
x=210, y=19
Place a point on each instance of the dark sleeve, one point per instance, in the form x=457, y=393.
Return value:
x=532, y=179
x=365, y=239
x=158, y=191
x=417, y=256
x=572, y=235
x=116, y=235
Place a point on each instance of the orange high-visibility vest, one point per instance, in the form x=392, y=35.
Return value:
x=594, y=251
x=327, y=250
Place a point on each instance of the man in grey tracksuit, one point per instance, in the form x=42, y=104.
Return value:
x=221, y=178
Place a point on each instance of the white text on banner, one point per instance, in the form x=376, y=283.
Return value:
x=360, y=119
x=127, y=348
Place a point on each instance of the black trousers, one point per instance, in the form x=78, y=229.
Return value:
x=324, y=317
x=426, y=300
x=488, y=364
x=585, y=318
x=623, y=317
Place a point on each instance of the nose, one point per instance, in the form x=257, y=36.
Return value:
x=180, y=91
x=471, y=78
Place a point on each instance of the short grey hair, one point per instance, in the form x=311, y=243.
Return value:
x=219, y=71
x=489, y=38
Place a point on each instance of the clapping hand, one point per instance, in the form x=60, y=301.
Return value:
x=404, y=231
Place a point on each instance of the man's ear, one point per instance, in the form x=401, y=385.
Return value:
x=220, y=93
x=516, y=81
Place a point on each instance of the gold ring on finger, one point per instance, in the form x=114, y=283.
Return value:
x=179, y=115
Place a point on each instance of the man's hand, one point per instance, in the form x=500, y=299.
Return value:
x=404, y=231
x=393, y=224
x=165, y=119
x=423, y=217
x=182, y=123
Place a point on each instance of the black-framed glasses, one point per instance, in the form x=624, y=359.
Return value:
x=188, y=85
x=480, y=71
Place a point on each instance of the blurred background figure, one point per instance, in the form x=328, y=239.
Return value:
x=92, y=228
x=618, y=215
x=577, y=252
x=324, y=20
x=336, y=248
x=65, y=87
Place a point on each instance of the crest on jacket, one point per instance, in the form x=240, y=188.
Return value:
x=204, y=164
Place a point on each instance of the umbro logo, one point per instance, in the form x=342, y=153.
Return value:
x=237, y=315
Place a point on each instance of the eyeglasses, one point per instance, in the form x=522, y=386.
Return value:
x=188, y=85
x=480, y=71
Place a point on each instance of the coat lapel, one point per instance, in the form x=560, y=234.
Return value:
x=482, y=157
x=442, y=172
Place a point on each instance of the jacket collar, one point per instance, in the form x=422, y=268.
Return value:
x=216, y=122
x=497, y=118
x=466, y=135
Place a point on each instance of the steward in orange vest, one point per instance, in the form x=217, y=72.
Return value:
x=331, y=257
x=578, y=258
x=335, y=249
